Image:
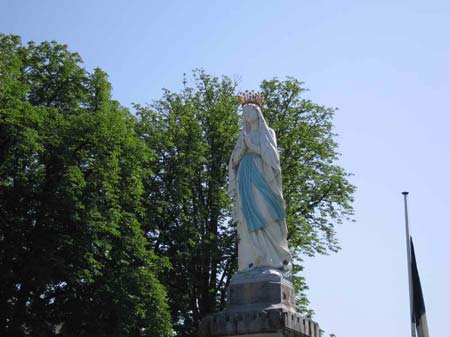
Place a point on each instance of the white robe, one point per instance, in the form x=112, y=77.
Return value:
x=265, y=247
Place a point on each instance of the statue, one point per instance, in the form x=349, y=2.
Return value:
x=260, y=296
x=256, y=191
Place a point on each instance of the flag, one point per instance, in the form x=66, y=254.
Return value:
x=419, y=318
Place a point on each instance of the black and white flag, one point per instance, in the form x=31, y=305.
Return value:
x=419, y=318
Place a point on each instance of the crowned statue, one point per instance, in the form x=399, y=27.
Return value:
x=256, y=191
x=260, y=295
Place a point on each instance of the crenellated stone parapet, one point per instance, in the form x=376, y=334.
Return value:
x=274, y=322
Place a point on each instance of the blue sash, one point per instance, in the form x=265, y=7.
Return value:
x=250, y=178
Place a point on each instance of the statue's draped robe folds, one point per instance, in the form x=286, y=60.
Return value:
x=256, y=191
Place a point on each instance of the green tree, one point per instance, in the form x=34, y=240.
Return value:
x=317, y=191
x=74, y=258
x=193, y=132
x=94, y=202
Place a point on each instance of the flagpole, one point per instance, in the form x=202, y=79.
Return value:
x=408, y=255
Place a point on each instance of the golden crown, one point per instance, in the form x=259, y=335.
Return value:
x=251, y=97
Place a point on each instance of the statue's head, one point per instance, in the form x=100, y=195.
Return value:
x=251, y=113
x=251, y=107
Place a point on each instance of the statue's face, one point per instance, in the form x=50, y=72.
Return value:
x=250, y=113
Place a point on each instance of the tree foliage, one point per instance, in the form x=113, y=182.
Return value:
x=317, y=191
x=193, y=132
x=102, y=211
x=74, y=258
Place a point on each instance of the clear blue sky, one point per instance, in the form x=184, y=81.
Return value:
x=385, y=64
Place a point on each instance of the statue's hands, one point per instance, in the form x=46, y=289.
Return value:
x=238, y=150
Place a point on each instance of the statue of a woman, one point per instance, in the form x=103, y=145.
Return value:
x=255, y=188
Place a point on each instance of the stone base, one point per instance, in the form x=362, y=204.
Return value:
x=260, y=289
x=261, y=303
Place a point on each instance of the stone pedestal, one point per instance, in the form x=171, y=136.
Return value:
x=260, y=303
